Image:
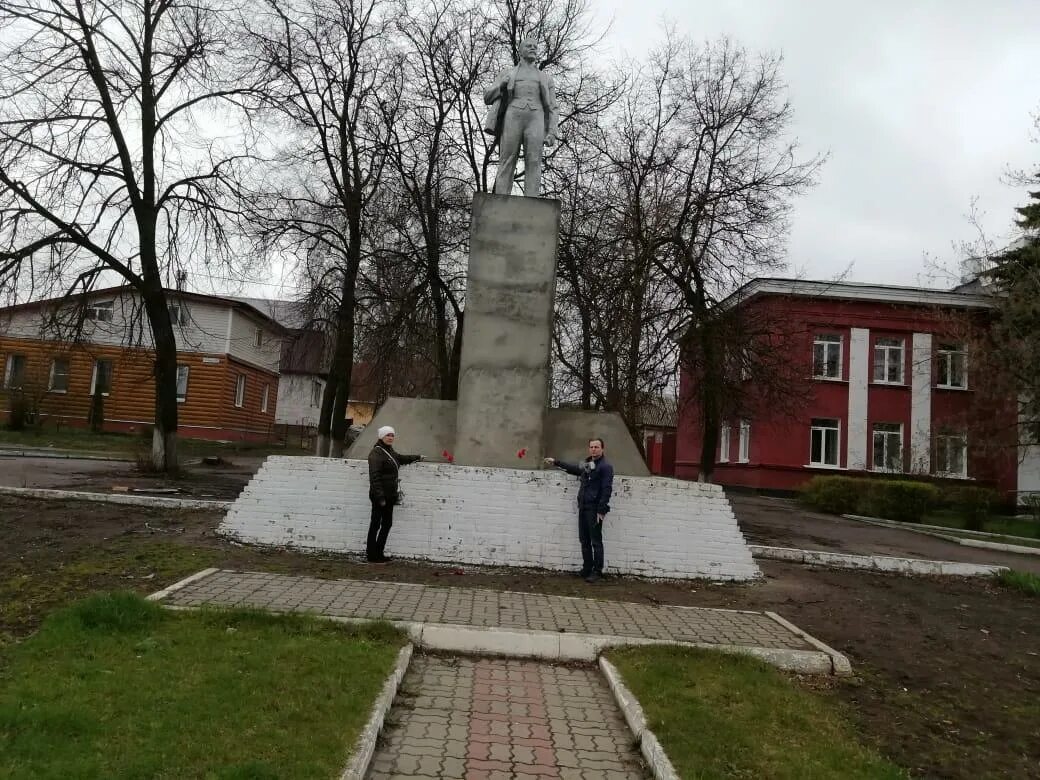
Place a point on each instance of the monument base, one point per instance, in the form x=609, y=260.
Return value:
x=426, y=426
x=493, y=516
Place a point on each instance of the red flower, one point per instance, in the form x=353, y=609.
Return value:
x=522, y=452
x=448, y=456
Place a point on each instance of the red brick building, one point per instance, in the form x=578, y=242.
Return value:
x=889, y=389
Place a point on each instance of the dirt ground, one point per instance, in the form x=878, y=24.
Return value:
x=947, y=670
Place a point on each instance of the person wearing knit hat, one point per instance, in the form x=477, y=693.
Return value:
x=384, y=490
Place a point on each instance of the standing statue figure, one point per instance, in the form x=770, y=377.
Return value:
x=522, y=109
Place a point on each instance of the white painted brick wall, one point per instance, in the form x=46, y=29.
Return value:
x=657, y=527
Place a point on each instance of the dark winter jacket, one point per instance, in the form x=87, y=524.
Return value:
x=597, y=482
x=383, y=472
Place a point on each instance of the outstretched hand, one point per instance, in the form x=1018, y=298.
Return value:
x=550, y=461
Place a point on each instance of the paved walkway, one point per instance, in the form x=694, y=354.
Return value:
x=486, y=608
x=491, y=718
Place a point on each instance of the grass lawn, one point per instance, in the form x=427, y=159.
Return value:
x=728, y=716
x=1020, y=580
x=995, y=524
x=127, y=445
x=116, y=686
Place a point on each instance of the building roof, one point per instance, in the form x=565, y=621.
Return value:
x=291, y=314
x=857, y=291
x=235, y=303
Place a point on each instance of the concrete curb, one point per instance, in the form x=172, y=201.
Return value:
x=11, y=453
x=365, y=747
x=649, y=745
x=880, y=563
x=118, y=498
x=942, y=532
x=1014, y=548
x=840, y=666
x=554, y=646
x=199, y=575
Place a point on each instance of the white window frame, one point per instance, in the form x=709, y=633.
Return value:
x=264, y=397
x=724, y=443
x=947, y=356
x=744, y=448
x=94, y=373
x=887, y=350
x=942, y=444
x=258, y=337
x=182, y=397
x=884, y=432
x=50, y=379
x=100, y=311
x=823, y=430
x=9, y=371
x=825, y=342
x=240, y=391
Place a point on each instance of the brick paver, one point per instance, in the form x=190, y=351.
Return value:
x=473, y=607
x=494, y=718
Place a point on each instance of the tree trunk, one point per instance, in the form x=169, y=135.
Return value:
x=456, y=359
x=164, y=433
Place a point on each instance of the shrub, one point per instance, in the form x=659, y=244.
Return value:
x=1032, y=502
x=907, y=502
x=837, y=495
x=973, y=505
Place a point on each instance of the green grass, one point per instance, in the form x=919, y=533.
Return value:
x=1020, y=580
x=115, y=686
x=727, y=716
x=995, y=524
x=29, y=591
x=127, y=445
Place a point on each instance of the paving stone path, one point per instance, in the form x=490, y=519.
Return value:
x=485, y=719
x=473, y=607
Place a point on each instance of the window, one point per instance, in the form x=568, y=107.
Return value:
x=14, y=374
x=953, y=366
x=951, y=455
x=59, y=380
x=240, y=391
x=178, y=314
x=724, y=444
x=745, y=441
x=888, y=361
x=263, y=398
x=827, y=356
x=101, y=377
x=100, y=311
x=823, y=447
x=315, y=393
x=182, y=382
x=888, y=447
x=258, y=337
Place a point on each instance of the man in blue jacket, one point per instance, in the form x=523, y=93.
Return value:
x=597, y=483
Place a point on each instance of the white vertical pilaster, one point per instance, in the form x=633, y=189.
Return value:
x=859, y=376
x=920, y=433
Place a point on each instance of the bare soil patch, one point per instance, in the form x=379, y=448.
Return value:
x=948, y=670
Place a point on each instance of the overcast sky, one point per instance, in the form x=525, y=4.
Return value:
x=921, y=104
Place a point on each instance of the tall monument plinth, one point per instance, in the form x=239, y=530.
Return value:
x=507, y=332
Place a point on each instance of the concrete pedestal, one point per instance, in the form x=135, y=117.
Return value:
x=507, y=334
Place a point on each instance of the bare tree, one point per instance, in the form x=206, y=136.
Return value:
x=109, y=161
x=333, y=76
x=704, y=178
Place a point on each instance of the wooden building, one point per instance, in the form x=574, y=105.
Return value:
x=227, y=363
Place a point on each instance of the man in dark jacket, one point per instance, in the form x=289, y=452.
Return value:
x=384, y=465
x=597, y=483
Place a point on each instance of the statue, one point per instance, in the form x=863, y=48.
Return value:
x=522, y=109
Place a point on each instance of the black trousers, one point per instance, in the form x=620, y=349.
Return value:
x=379, y=529
x=590, y=534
